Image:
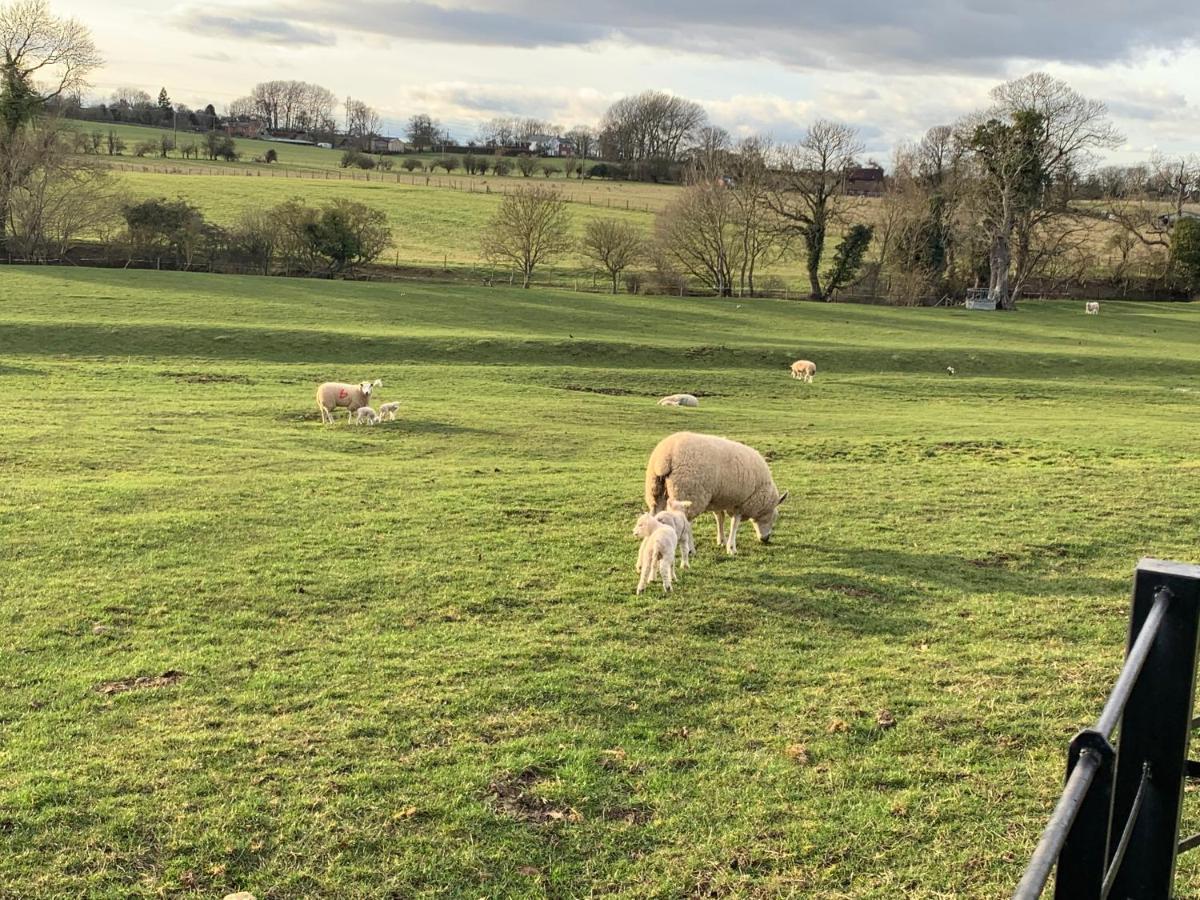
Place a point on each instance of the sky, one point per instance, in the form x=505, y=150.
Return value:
x=892, y=69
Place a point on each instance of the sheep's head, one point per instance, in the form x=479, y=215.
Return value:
x=366, y=388
x=645, y=526
x=764, y=524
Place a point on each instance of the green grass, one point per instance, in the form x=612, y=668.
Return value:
x=414, y=661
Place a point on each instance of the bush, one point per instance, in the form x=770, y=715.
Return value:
x=411, y=165
x=383, y=164
x=141, y=148
x=356, y=159
x=449, y=163
x=347, y=233
x=502, y=166
x=526, y=164
x=271, y=156
x=158, y=227
x=548, y=169
x=1185, y=252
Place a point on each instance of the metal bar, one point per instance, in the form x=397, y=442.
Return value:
x=1189, y=843
x=1083, y=858
x=1055, y=835
x=1134, y=661
x=1119, y=854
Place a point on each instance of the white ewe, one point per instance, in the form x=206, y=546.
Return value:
x=657, y=552
x=715, y=475
x=333, y=394
x=1092, y=308
x=804, y=370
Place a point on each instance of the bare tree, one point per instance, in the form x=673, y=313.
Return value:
x=612, y=246
x=424, y=132
x=748, y=180
x=650, y=125
x=698, y=233
x=362, y=121
x=1175, y=177
x=531, y=227
x=808, y=194
x=584, y=139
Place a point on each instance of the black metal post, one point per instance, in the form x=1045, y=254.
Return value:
x=1154, y=731
x=1084, y=857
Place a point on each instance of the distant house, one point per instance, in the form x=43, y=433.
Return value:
x=244, y=127
x=550, y=145
x=865, y=181
x=387, y=145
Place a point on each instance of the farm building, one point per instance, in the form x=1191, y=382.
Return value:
x=865, y=181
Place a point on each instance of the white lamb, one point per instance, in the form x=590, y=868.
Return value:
x=804, y=370
x=365, y=414
x=675, y=515
x=715, y=475
x=333, y=394
x=389, y=410
x=679, y=400
x=1092, y=308
x=657, y=553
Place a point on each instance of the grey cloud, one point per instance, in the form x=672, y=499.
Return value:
x=264, y=29
x=872, y=35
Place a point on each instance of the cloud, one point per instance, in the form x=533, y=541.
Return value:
x=262, y=29
x=984, y=36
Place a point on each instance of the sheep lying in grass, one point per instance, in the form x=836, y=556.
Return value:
x=679, y=400
x=365, y=414
x=716, y=475
x=1092, y=308
x=657, y=553
x=804, y=370
x=675, y=515
x=389, y=410
x=334, y=394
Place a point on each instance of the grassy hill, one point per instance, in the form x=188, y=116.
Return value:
x=409, y=660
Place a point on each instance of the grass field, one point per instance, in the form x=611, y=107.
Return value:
x=408, y=660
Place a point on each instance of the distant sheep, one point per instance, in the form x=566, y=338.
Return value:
x=389, y=410
x=804, y=370
x=679, y=400
x=1093, y=308
x=365, y=414
x=715, y=475
x=657, y=552
x=675, y=515
x=334, y=394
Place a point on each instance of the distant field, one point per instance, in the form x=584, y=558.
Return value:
x=408, y=661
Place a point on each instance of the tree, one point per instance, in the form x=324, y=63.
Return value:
x=158, y=227
x=526, y=164
x=531, y=227
x=164, y=102
x=347, y=234
x=650, y=125
x=747, y=177
x=612, y=246
x=114, y=143
x=584, y=140
x=1175, y=178
x=1185, y=246
x=808, y=191
x=362, y=122
x=698, y=232
x=848, y=258
x=424, y=132
x=1027, y=150
x=44, y=58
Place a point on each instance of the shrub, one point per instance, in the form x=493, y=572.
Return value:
x=449, y=163
x=384, y=164
x=411, y=165
x=502, y=166
x=526, y=164
x=848, y=257
x=141, y=148
x=1185, y=252
x=271, y=156
x=347, y=233
x=548, y=169
x=158, y=227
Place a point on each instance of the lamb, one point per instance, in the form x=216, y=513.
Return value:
x=679, y=400
x=388, y=410
x=675, y=515
x=657, y=552
x=365, y=414
x=714, y=475
x=804, y=370
x=1092, y=308
x=333, y=394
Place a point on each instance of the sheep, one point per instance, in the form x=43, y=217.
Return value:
x=804, y=370
x=388, y=410
x=657, y=552
x=714, y=475
x=675, y=515
x=1092, y=308
x=333, y=394
x=949, y=370
x=679, y=400
x=365, y=414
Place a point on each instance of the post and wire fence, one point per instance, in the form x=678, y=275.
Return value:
x=1115, y=829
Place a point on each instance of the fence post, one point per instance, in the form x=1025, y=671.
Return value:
x=1155, y=730
x=1084, y=858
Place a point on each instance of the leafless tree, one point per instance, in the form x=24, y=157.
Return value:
x=709, y=154
x=748, y=180
x=1176, y=178
x=613, y=246
x=362, y=121
x=530, y=228
x=584, y=139
x=808, y=192
x=698, y=233
x=130, y=97
x=650, y=125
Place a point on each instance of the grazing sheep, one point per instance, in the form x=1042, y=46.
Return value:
x=365, y=414
x=804, y=370
x=657, y=552
x=675, y=515
x=333, y=394
x=715, y=475
x=679, y=400
x=388, y=410
x=1092, y=308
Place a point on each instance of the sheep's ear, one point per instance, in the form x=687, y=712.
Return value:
x=784, y=497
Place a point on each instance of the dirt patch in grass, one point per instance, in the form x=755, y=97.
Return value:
x=207, y=378
x=630, y=815
x=167, y=678
x=516, y=797
x=995, y=560
x=607, y=391
x=857, y=591
x=528, y=514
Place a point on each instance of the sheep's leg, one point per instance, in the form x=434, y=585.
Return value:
x=666, y=570
x=734, y=524
x=720, y=516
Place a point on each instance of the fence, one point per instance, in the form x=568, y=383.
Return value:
x=1115, y=830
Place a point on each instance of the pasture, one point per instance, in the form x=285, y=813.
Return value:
x=408, y=660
